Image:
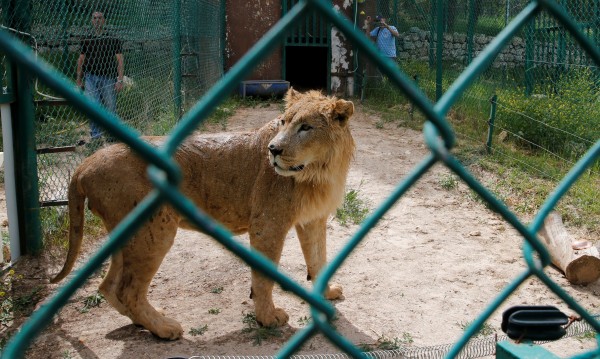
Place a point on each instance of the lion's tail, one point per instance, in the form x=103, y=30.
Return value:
x=76, y=220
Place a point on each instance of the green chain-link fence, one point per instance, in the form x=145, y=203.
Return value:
x=170, y=60
x=438, y=133
x=539, y=92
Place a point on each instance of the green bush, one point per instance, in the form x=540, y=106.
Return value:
x=563, y=121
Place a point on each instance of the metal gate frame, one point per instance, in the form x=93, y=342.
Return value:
x=301, y=35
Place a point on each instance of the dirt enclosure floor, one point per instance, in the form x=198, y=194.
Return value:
x=431, y=266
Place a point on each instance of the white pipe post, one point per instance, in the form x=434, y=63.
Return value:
x=9, y=183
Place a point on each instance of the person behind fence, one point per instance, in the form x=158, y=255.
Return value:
x=100, y=68
x=384, y=36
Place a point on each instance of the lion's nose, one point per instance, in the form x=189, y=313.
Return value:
x=274, y=150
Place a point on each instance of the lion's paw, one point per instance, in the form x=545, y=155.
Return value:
x=275, y=318
x=168, y=329
x=334, y=291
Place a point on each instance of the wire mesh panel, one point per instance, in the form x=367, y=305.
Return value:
x=145, y=33
x=439, y=137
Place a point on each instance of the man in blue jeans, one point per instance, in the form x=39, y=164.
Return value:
x=100, y=68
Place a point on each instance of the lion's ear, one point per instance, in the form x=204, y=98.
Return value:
x=291, y=96
x=342, y=111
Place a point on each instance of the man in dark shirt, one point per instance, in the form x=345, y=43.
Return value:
x=100, y=68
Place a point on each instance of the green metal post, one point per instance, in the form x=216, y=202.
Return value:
x=26, y=180
x=470, y=31
x=560, y=58
x=432, y=23
x=223, y=16
x=396, y=18
x=439, y=49
x=64, y=37
x=177, y=58
x=529, y=44
x=491, y=120
x=411, y=110
x=506, y=18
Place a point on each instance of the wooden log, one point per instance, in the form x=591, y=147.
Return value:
x=579, y=260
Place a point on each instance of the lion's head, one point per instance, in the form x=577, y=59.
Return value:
x=313, y=138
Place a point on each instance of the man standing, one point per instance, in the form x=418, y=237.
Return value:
x=100, y=68
x=384, y=37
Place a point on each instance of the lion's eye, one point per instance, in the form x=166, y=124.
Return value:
x=305, y=127
x=282, y=122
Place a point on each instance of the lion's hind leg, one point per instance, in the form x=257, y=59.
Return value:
x=141, y=258
x=110, y=283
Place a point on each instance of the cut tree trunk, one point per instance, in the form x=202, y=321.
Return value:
x=579, y=260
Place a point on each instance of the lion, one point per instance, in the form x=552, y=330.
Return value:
x=289, y=173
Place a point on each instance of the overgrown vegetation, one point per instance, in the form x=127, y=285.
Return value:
x=563, y=118
x=55, y=226
x=544, y=135
x=16, y=301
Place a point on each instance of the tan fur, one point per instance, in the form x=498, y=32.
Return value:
x=289, y=173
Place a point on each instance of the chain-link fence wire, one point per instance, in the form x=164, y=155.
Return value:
x=438, y=134
x=540, y=103
x=476, y=348
x=153, y=70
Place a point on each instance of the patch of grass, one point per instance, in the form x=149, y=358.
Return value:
x=385, y=343
x=55, y=226
x=448, y=181
x=92, y=301
x=354, y=209
x=304, y=321
x=162, y=125
x=591, y=335
x=6, y=301
x=484, y=331
x=198, y=330
x=257, y=331
x=214, y=311
x=217, y=290
x=14, y=304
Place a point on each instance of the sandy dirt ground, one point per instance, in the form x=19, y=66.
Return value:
x=433, y=264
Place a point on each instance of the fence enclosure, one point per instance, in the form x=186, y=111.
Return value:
x=158, y=92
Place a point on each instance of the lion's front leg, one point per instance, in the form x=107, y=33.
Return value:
x=313, y=240
x=270, y=245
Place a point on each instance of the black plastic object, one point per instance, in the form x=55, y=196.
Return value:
x=534, y=323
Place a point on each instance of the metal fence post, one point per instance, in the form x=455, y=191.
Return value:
x=430, y=53
x=439, y=49
x=529, y=45
x=22, y=111
x=470, y=31
x=491, y=120
x=177, y=59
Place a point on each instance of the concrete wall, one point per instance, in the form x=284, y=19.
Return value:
x=246, y=22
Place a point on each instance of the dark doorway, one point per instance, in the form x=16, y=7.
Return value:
x=306, y=67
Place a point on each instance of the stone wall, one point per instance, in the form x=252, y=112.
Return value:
x=414, y=45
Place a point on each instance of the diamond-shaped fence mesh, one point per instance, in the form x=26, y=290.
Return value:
x=555, y=33
x=157, y=86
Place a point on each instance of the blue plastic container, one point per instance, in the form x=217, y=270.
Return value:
x=264, y=88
